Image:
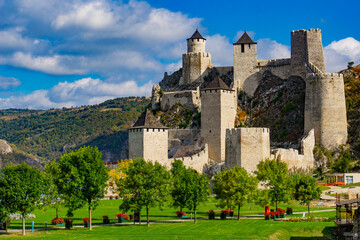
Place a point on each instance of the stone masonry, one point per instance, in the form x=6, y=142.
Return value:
x=218, y=141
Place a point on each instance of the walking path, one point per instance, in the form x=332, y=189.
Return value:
x=255, y=216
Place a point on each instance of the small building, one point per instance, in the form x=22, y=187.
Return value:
x=342, y=178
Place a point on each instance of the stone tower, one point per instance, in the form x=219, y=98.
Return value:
x=148, y=139
x=245, y=61
x=325, y=109
x=196, y=61
x=307, y=52
x=218, y=109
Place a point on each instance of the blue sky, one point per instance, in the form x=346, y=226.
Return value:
x=75, y=52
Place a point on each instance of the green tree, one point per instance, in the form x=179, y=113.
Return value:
x=147, y=185
x=179, y=192
x=52, y=198
x=80, y=177
x=198, y=189
x=234, y=187
x=274, y=176
x=21, y=188
x=306, y=190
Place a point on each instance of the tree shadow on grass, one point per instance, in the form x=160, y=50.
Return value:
x=328, y=233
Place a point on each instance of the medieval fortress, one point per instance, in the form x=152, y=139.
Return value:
x=218, y=142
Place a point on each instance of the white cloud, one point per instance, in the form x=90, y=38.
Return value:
x=11, y=39
x=9, y=82
x=48, y=64
x=93, y=15
x=270, y=49
x=339, y=53
x=86, y=91
x=221, y=50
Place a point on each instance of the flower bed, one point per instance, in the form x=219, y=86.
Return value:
x=57, y=220
x=122, y=217
x=180, y=213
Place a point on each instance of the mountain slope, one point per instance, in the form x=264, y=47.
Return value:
x=48, y=134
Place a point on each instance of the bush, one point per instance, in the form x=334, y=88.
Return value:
x=122, y=215
x=180, y=213
x=56, y=220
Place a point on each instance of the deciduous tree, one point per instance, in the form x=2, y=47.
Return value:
x=198, y=189
x=21, y=188
x=306, y=190
x=274, y=176
x=234, y=187
x=147, y=185
x=80, y=177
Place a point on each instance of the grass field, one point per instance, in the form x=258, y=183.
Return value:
x=205, y=229
x=111, y=208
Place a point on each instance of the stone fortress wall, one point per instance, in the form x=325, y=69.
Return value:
x=218, y=110
x=325, y=108
x=246, y=147
x=148, y=143
x=324, y=121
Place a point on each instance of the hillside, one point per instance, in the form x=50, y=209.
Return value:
x=45, y=135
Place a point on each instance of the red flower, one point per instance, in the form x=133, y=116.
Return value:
x=267, y=214
x=122, y=215
x=86, y=220
x=105, y=217
x=180, y=213
x=55, y=221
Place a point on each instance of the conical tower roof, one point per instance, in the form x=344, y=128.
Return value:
x=217, y=83
x=147, y=120
x=245, y=39
x=196, y=35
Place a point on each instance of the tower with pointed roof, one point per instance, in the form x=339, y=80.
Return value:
x=148, y=139
x=196, y=61
x=218, y=110
x=245, y=61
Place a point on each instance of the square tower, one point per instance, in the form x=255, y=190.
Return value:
x=245, y=61
x=148, y=139
x=218, y=110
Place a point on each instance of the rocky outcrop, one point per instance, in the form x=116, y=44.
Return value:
x=5, y=147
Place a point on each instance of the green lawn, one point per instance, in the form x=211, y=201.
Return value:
x=351, y=185
x=205, y=229
x=111, y=208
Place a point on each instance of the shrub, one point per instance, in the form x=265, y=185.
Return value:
x=86, y=220
x=68, y=220
x=180, y=213
x=55, y=221
x=211, y=212
x=122, y=215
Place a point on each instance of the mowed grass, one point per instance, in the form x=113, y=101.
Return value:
x=204, y=229
x=111, y=208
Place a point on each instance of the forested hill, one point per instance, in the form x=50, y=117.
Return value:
x=45, y=135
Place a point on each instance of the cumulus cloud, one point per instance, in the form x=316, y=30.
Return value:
x=93, y=15
x=270, y=49
x=86, y=91
x=339, y=53
x=221, y=50
x=9, y=82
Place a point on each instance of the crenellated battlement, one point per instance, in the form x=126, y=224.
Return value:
x=323, y=75
x=197, y=54
x=273, y=62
